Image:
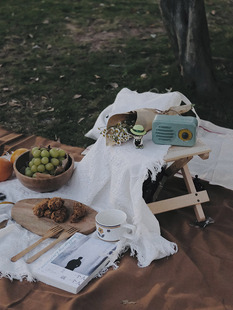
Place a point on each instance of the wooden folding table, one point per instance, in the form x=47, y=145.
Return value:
x=177, y=159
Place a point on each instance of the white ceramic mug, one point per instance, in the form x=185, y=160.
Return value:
x=111, y=225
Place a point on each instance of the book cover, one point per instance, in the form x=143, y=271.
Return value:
x=76, y=262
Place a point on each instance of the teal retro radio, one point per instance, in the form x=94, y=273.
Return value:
x=174, y=130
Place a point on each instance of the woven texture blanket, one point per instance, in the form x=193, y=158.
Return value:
x=107, y=177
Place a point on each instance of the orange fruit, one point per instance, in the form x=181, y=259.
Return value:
x=6, y=169
x=16, y=154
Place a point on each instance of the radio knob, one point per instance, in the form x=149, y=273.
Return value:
x=185, y=134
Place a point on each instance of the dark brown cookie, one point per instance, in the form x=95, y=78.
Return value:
x=41, y=207
x=55, y=203
x=48, y=213
x=79, y=211
x=59, y=216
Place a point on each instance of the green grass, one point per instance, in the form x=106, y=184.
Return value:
x=51, y=51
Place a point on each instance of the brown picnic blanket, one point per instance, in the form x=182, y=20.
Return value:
x=199, y=276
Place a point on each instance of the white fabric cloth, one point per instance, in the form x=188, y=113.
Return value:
x=107, y=177
x=218, y=169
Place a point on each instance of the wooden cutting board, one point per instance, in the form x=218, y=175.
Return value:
x=22, y=213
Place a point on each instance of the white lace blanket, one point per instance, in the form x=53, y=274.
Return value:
x=107, y=177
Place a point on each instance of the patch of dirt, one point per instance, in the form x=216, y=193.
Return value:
x=99, y=39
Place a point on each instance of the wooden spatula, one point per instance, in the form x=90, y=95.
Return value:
x=64, y=235
x=50, y=233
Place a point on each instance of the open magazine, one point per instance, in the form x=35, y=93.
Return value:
x=76, y=262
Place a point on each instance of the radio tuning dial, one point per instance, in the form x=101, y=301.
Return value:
x=185, y=134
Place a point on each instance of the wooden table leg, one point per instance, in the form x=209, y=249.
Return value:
x=191, y=189
x=170, y=171
x=193, y=198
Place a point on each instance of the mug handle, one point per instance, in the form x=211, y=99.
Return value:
x=132, y=228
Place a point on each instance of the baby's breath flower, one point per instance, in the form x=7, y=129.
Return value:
x=117, y=133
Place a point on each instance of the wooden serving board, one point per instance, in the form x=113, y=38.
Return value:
x=22, y=213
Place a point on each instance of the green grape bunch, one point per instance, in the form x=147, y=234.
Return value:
x=45, y=160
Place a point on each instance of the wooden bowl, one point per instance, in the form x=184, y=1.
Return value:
x=47, y=183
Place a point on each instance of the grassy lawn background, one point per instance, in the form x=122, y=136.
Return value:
x=63, y=62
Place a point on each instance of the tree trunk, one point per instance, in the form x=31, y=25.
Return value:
x=186, y=24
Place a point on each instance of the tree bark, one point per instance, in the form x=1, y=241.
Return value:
x=186, y=25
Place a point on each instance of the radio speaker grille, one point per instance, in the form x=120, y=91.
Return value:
x=164, y=133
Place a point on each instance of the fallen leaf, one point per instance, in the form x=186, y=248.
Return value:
x=23, y=43
x=97, y=76
x=77, y=96
x=81, y=119
x=35, y=46
x=50, y=109
x=48, y=68
x=143, y=76
x=14, y=103
x=114, y=85
x=44, y=111
x=2, y=104
x=34, y=79
x=127, y=302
